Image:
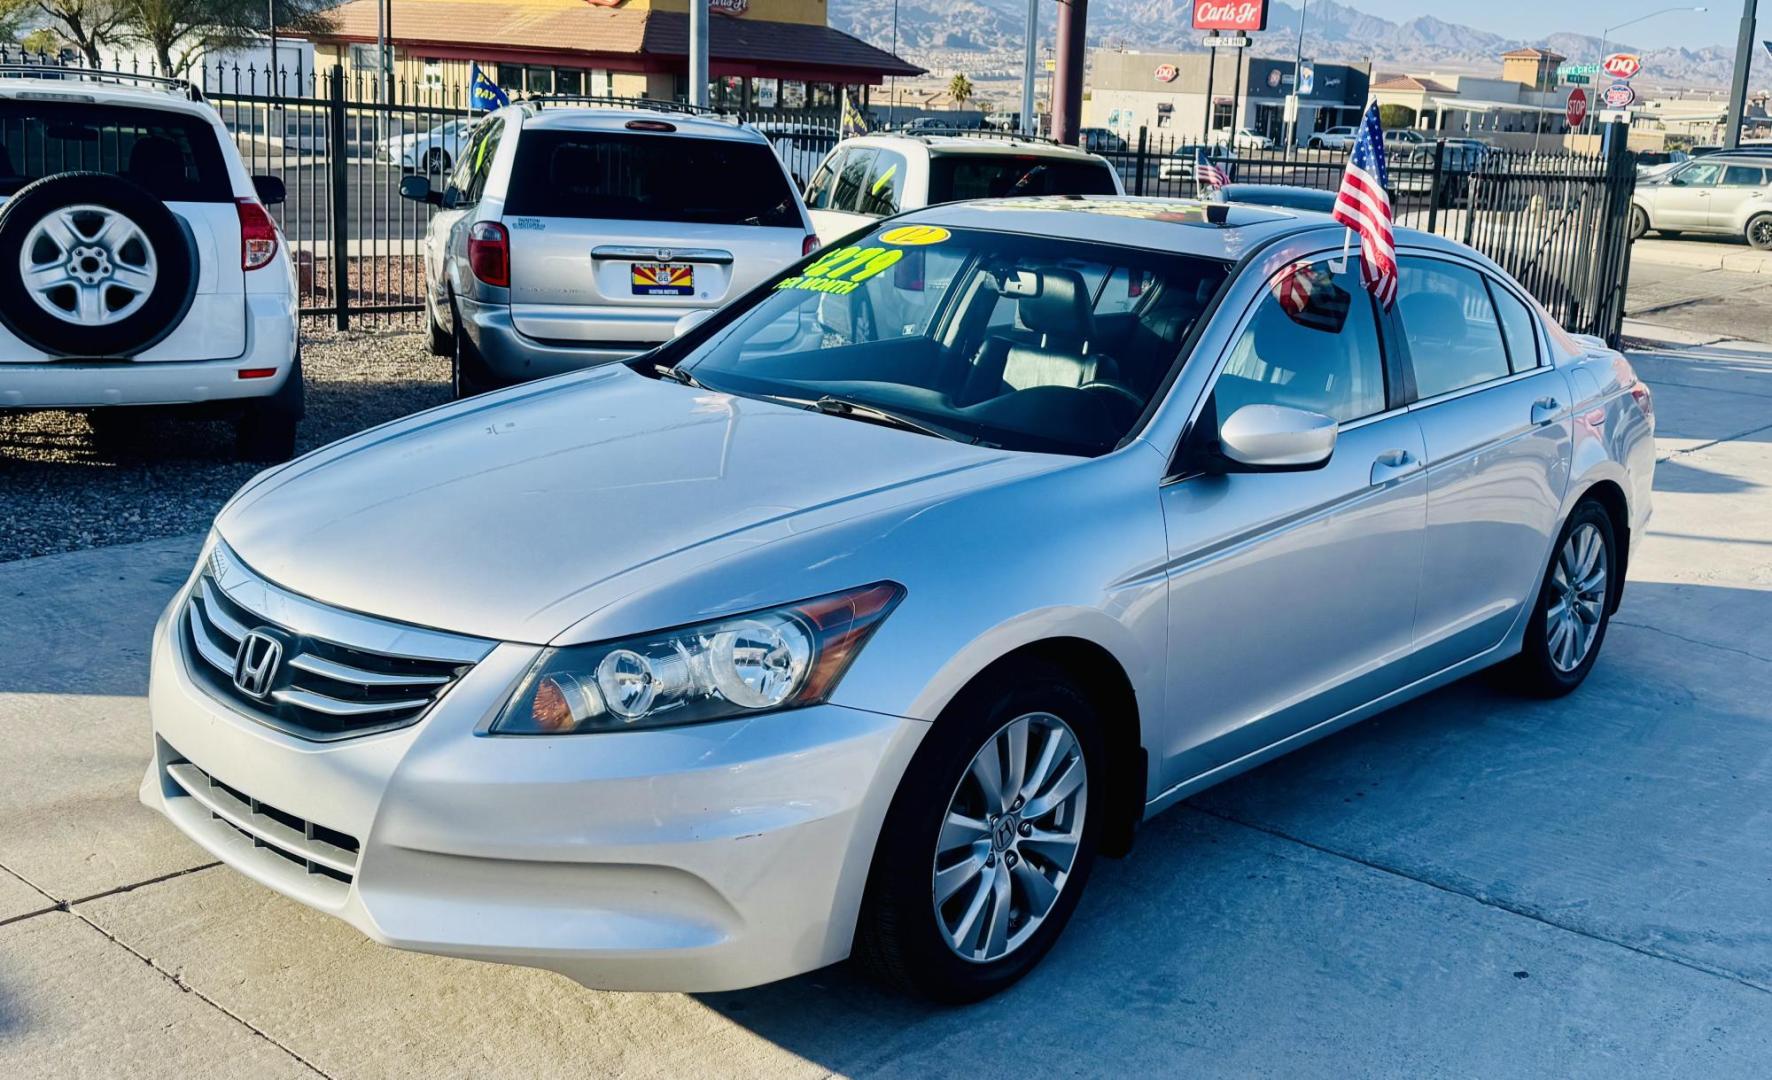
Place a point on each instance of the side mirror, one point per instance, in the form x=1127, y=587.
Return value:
x=419, y=189
x=1276, y=438
x=691, y=321
x=270, y=190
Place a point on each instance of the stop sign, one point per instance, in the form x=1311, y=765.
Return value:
x=1577, y=106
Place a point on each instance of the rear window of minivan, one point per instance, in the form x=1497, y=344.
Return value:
x=174, y=155
x=635, y=177
x=953, y=177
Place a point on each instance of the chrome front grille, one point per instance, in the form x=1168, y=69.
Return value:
x=234, y=816
x=335, y=674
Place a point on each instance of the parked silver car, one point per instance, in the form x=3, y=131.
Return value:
x=1722, y=194
x=812, y=634
x=569, y=235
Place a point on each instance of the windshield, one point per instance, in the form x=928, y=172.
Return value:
x=173, y=155
x=1021, y=342
x=953, y=177
x=650, y=178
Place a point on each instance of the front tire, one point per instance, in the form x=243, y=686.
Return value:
x=1759, y=232
x=989, y=840
x=437, y=161
x=1639, y=222
x=1574, y=607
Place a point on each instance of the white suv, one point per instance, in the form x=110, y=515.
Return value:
x=573, y=233
x=872, y=176
x=138, y=265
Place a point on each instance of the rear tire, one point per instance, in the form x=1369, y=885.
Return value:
x=266, y=431
x=1639, y=222
x=468, y=374
x=1573, y=608
x=1000, y=863
x=442, y=341
x=1759, y=232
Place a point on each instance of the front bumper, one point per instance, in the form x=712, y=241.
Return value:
x=513, y=356
x=702, y=858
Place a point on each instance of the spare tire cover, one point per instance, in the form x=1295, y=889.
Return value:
x=92, y=265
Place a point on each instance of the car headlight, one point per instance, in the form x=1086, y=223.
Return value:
x=780, y=658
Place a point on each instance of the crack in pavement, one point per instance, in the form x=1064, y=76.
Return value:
x=1671, y=454
x=1495, y=903
x=1693, y=641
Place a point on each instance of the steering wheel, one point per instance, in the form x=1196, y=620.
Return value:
x=1121, y=400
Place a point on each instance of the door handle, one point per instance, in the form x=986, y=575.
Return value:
x=1393, y=464
x=1544, y=410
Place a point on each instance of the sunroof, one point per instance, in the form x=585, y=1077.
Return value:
x=1174, y=211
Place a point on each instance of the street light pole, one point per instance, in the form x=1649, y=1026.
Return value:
x=1297, y=78
x=698, y=53
x=1607, y=32
x=1028, y=126
x=1744, y=57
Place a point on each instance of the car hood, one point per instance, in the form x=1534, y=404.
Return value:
x=517, y=515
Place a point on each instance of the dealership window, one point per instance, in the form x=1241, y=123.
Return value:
x=824, y=95
x=793, y=94
x=431, y=78
x=728, y=91
x=541, y=80
x=510, y=76
x=568, y=81
x=1221, y=115
x=763, y=93
x=1165, y=114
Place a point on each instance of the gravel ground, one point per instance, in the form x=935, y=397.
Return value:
x=62, y=491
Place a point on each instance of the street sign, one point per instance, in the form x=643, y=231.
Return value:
x=1225, y=41
x=1623, y=65
x=1239, y=15
x=1577, y=110
x=1620, y=95
x=1566, y=71
x=1575, y=80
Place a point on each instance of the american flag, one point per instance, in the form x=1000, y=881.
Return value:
x=1308, y=294
x=1206, y=174
x=1364, y=205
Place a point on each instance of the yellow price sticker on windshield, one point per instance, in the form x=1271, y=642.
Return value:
x=915, y=235
x=842, y=269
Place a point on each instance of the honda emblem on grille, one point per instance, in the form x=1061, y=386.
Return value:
x=255, y=665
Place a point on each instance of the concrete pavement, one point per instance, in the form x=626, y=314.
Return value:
x=1694, y=251
x=1472, y=884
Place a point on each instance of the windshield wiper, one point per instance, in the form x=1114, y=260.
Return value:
x=677, y=375
x=832, y=405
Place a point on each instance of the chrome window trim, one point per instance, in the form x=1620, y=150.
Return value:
x=1474, y=388
x=365, y=633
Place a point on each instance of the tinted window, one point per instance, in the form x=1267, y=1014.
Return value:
x=1313, y=345
x=954, y=177
x=1517, y=326
x=480, y=162
x=649, y=177
x=818, y=191
x=1743, y=176
x=907, y=327
x=884, y=184
x=1697, y=175
x=1449, y=322
x=852, y=179
x=174, y=156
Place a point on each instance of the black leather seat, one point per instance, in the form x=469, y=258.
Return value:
x=1055, y=351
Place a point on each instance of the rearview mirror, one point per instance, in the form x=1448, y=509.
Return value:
x=270, y=189
x=419, y=189
x=1276, y=438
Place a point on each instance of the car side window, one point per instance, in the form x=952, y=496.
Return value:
x=481, y=160
x=1517, y=329
x=1743, y=176
x=1450, y=324
x=457, y=188
x=1313, y=344
x=852, y=180
x=885, y=182
x=818, y=192
x=1702, y=175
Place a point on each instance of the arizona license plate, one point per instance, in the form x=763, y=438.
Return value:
x=663, y=279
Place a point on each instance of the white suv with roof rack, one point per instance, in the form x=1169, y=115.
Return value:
x=873, y=176
x=138, y=265
x=576, y=231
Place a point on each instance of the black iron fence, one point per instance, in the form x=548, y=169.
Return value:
x=341, y=144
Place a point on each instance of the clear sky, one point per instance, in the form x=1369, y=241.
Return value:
x=1535, y=18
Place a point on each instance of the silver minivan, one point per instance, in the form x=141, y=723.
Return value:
x=570, y=234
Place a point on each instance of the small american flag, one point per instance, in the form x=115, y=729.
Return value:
x=1206, y=174
x=1364, y=205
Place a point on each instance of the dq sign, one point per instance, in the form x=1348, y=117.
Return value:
x=1241, y=16
x=1622, y=65
x=1166, y=72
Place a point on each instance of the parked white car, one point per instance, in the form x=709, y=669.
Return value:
x=874, y=176
x=433, y=151
x=1250, y=139
x=1335, y=138
x=138, y=264
x=569, y=235
x=813, y=634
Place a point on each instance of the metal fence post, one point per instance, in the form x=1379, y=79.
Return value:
x=1621, y=181
x=339, y=231
x=1138, y=171
x=1433, y=191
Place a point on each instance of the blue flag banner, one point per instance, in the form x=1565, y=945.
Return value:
x=486, y=94
x=853, y=123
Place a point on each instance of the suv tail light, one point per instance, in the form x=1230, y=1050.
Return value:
x=810, y=244
x=489, y=253
x=258, y=234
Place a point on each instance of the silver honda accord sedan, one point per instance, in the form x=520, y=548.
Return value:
x=859, y=619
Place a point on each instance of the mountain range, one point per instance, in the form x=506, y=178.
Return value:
x=928, y=29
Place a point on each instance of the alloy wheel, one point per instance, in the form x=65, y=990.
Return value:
x=1010, y=837
x=1761, y=233
x=1578, y=598
x=88, y=265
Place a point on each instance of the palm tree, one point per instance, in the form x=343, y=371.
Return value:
x=960, y=89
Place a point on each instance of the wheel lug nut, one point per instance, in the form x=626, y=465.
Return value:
x=1009, y=858
x=990, y=860
x=1016, y=805
x=1027, y=828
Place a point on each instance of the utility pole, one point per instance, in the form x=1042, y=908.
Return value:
x=1297, y=78
x=892, y=109
x=271, y=24
x=1067, y=82
x=698, y=53
x=1744, y=60
x=1028, y=126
